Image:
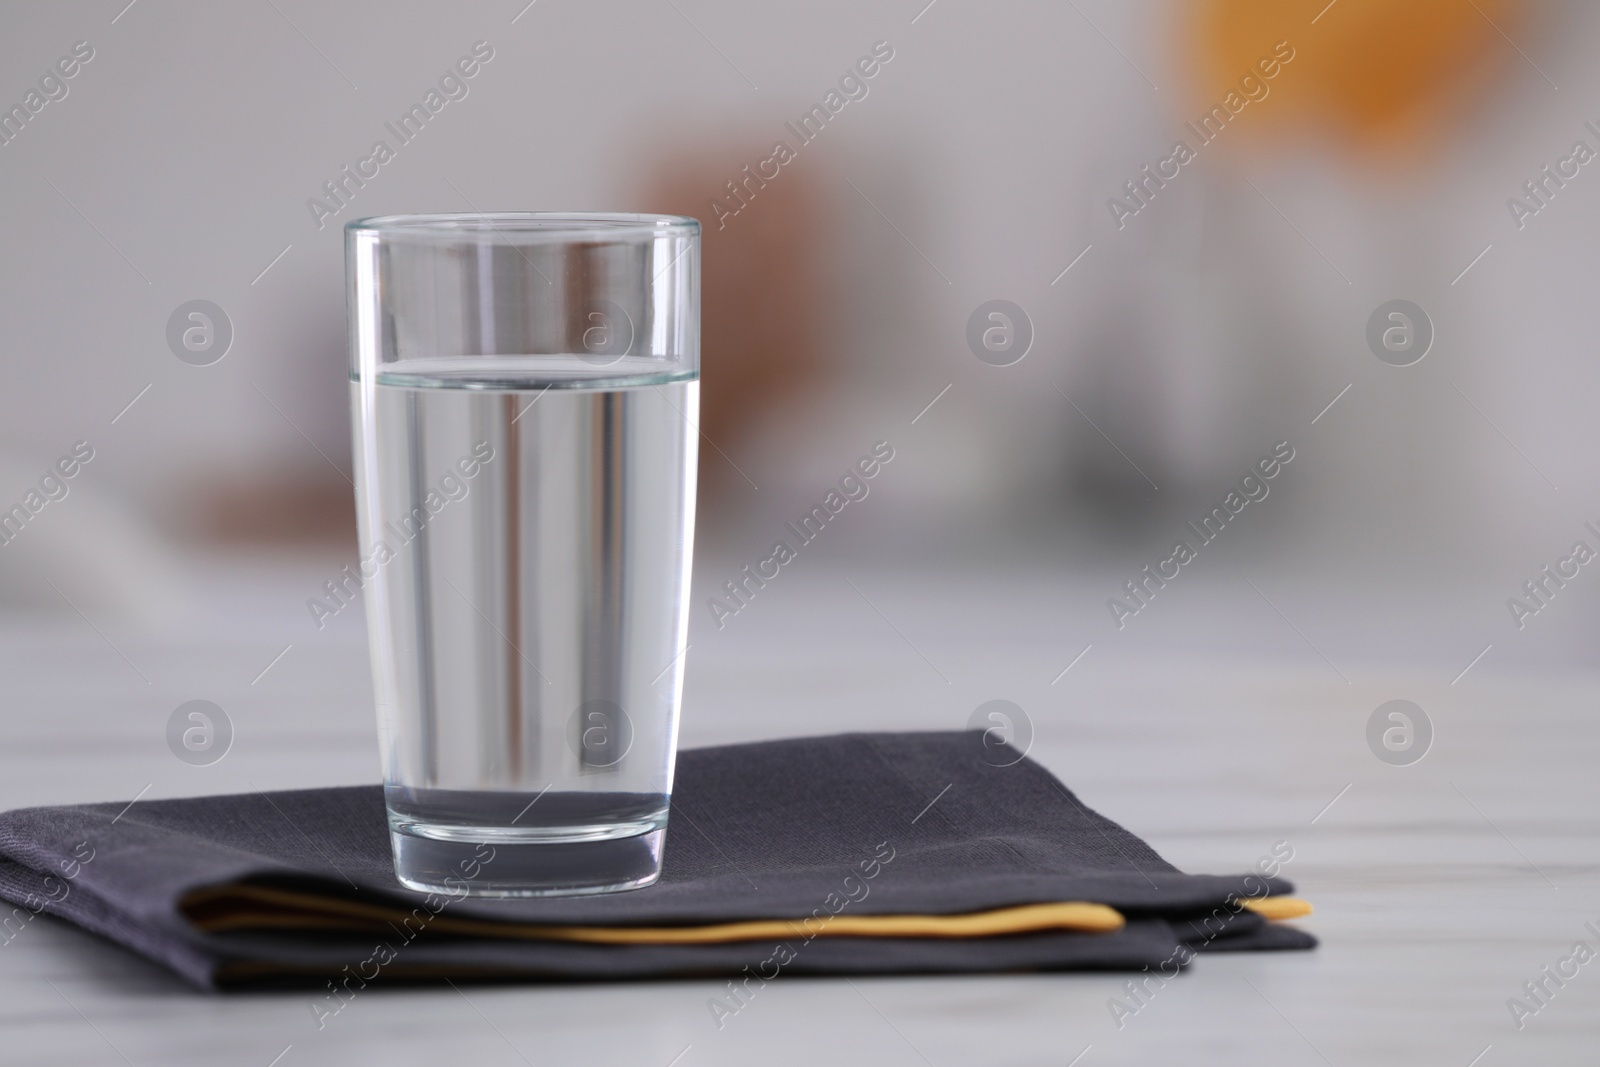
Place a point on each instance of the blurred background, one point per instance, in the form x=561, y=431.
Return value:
x=1183, y=316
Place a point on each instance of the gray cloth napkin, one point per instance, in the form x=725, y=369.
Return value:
x=854, y=824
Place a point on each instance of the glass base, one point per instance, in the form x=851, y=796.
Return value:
x=477, y=861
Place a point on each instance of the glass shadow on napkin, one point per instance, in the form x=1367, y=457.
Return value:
x=849, y=854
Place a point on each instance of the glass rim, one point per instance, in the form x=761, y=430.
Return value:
x=510, y=225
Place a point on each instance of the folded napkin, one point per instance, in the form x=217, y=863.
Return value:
x=851, y=854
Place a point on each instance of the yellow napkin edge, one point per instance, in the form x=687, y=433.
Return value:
x=1278, y=909
x=233, y=907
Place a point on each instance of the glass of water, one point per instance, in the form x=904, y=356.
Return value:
x=524, y=391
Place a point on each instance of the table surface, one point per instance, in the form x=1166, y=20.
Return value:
x=1441, y=887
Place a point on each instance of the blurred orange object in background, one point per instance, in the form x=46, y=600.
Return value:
x=762, y=279
x=1387, y=76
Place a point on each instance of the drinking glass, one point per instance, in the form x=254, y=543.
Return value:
x=524, y=391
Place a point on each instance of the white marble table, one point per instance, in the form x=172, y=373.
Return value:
x=1441, y=887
